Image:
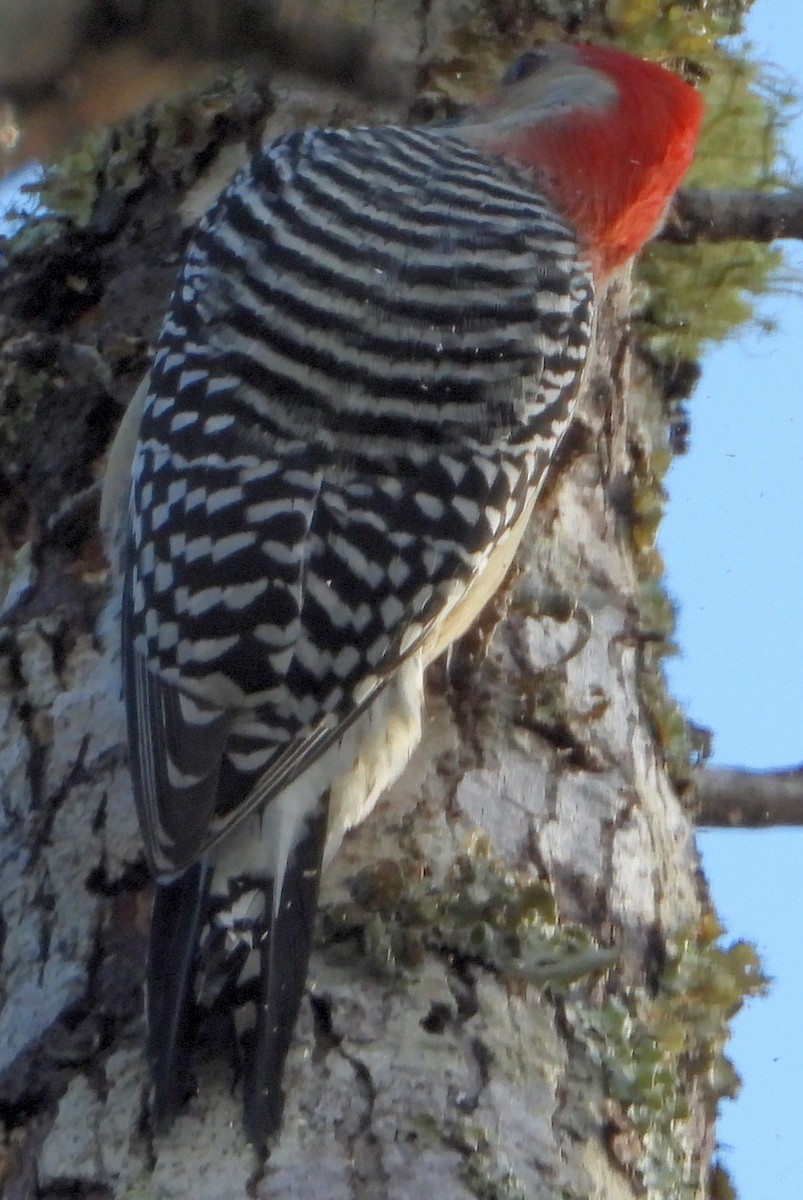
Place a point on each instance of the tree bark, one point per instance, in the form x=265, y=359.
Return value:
x=490, y=1009
x=704, y=215
x=739, y=799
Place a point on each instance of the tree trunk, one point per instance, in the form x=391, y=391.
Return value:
x=510, y=995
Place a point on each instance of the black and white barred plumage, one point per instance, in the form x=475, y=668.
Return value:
x=367, y=365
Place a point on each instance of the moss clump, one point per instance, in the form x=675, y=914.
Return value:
x=692, y=295
x=647, y=503
x=657, y=1051
x=682, y=744
x=483, y=912
x=179, y=136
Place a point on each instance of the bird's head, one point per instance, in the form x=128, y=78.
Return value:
x=608, y=137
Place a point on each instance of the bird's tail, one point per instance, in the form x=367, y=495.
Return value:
x=235, y=944
x=283, y=962
x=179, y=912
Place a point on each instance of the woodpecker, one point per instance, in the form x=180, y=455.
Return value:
x=368, y=363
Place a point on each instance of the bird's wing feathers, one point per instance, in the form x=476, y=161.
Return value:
x=375, y=584
x=357, y=483
x=176, y=761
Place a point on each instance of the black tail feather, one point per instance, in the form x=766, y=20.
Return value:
x=179, y=910
x=284, y=961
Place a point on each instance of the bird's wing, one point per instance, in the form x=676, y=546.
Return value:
x=376, y=423
x=370, y=582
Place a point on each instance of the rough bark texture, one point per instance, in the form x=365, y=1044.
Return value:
x=493, y=940
x=740, y=799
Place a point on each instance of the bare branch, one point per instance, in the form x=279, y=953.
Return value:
x=68, y=65
x=749, y=799
x=698, y=215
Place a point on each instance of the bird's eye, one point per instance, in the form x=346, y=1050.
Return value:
x=525, y=65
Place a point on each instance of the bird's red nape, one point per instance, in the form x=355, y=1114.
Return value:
x=612, y=167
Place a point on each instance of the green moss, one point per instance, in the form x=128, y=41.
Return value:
x=649, y=500
x=482, y=911
x=477, y=911
x=660, y=1051
x=177, y=133
x=656, y=1050
x=677, y=738
x=681, y=28
x=657, y=614
x=693, y=295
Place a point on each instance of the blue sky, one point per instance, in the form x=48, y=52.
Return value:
x=732, y=540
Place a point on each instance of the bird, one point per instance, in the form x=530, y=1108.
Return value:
x=371, y=356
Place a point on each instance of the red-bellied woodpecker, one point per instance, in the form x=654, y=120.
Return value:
x=368, y=363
